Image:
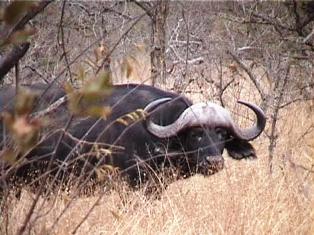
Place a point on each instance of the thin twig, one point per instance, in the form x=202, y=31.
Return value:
x=61, y=32
x=273, y=134
x=23, y=21
x=17, y=77
x=10, y=59
x=249, y=73
x=187, y=44
x=145, y=6
x=121, y=38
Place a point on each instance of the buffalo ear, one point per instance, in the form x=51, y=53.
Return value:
x=239, y=149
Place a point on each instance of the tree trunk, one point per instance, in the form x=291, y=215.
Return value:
x=158, y=42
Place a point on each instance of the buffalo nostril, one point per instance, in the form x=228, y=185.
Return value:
x=216, y=162
x=211, y=164
x=214, y=159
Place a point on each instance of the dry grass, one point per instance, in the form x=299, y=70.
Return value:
x=242, y=199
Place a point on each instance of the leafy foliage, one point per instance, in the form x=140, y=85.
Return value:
x=11, y=16
x=15, y=10
x=23, y=128
x=86, y=101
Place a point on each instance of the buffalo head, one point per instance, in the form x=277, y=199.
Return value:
x=204, y=130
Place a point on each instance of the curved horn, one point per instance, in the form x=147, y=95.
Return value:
x=152, y=105
x=206, y=114
x=252, y=132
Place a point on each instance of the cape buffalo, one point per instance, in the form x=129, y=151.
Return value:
x=147, y=128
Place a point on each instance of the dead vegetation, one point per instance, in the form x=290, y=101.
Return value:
x=245, y=197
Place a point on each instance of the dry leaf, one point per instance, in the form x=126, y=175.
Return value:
x=8, y=156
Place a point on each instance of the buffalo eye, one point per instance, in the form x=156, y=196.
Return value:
x=222, y=134
x=197, y=136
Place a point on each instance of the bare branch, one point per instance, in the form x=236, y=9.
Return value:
x=146, y=7
x=298, y=26
x=197, y=60
x=61, y=33
x=51, y=107
x=30, y=15
x=271, y=21
x=121, y=38
x=309, y=36
x=249, y=73
x=187, y=43
x=273, y=133
x=9, y=60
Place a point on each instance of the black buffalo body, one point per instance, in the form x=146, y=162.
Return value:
x=148, y=128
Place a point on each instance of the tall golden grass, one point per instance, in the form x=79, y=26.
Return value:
x=244, y=198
